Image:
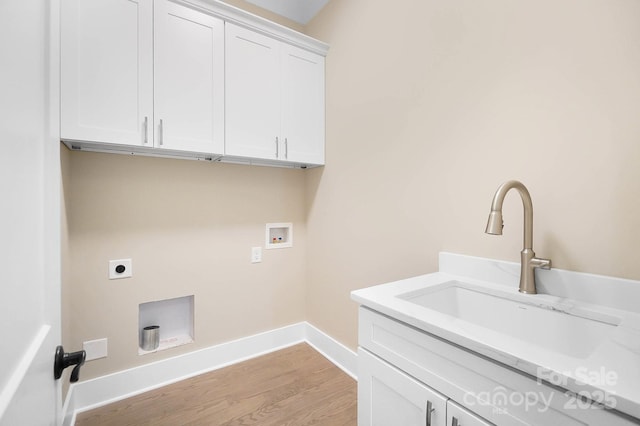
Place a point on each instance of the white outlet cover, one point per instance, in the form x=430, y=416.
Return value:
x=95, y=349
x=256, y=254
x=126, y=273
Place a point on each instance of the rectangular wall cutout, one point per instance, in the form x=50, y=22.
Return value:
x=279, y=235
x=175, y=318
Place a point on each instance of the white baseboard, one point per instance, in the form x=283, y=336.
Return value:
x=90, y=394
x=343, y=357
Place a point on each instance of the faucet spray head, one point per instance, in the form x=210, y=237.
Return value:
x=494, y=224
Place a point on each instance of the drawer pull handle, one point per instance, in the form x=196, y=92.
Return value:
x=146, y=130
x=454, y=422
x=430, y=410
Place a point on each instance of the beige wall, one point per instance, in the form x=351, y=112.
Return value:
x=432, y=104
x=189, y=227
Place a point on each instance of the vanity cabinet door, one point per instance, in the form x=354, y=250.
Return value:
x=459, y=416
x=387, y=396
x=106, y=73
x=189, y=79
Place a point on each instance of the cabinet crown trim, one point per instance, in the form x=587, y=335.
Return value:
x=243, y=18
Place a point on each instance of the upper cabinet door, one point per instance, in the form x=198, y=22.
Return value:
x=253, y=88
x=303, y=105
x=107, y=71
x=189, y=79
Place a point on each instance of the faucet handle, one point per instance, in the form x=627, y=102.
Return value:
x=537, y=262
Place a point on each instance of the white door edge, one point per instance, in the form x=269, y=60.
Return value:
x=23, y=366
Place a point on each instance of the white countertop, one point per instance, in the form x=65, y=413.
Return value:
x=609, y=374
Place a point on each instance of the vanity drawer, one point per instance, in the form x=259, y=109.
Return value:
x=494, y=391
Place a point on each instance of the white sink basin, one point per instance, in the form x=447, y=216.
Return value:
x=522, y=317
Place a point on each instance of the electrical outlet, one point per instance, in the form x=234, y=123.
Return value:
x=95, y=349
x=256, y=254
x=122, y=268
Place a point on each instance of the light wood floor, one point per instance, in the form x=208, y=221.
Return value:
x=293, y=387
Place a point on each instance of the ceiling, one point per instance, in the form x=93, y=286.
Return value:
x=300, y=11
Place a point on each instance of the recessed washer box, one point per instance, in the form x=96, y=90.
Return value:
x=279, y=235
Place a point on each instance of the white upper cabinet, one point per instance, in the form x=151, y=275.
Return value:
x=303, y=105
x=274, y=99
x=189, y=79
x=252, y=89
x=143, y=74
x=107, y=71
x=168, y=78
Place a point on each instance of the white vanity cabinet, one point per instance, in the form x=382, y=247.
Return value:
x=401, y=370
x=388, y=396
x=458, y=416
x=274, y=99
x=142, y=73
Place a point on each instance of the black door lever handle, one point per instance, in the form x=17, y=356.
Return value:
x=64, y=360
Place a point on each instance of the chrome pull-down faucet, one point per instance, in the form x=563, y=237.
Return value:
x=528, y=259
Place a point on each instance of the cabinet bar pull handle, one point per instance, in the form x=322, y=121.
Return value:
x=430, y=410
x=146, y=130
x=277, y=148
x=454, y=422
x=286, y=149
x=161, y=135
